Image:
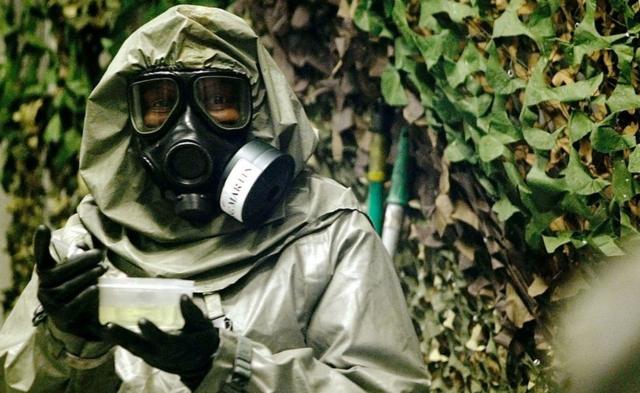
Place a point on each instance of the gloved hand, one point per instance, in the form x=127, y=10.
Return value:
x=68, y=292
x=187, y=353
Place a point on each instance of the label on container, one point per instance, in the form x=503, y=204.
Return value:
x=237, y=187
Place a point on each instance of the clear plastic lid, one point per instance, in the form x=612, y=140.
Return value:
x=145, y=283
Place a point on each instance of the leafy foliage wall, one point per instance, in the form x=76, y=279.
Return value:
x=523, y=130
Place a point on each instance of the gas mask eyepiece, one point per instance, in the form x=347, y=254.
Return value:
x=192, y=131
x=158, y=97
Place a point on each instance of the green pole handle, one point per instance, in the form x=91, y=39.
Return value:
x=377, y=160
x=399, y=193
x=398, y=197
x=375, y=203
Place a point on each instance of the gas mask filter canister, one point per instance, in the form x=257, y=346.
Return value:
x=192, y=130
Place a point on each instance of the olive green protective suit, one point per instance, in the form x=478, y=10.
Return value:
x=310, y=300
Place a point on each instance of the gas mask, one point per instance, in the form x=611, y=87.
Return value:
x=192, y=131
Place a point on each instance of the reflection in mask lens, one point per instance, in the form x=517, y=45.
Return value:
x=153, y=101
x=224, y=99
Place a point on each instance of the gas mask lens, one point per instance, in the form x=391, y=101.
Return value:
x=152, y=103
x=225, y=100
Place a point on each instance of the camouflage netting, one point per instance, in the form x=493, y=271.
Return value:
x=523, y=132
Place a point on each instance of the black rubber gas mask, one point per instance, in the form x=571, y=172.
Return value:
x=192, y=129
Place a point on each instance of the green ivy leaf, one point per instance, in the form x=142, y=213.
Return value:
x=458, y=151
x=624, y=8
x=625, y=64
x=623, y=98
x=490, y=148
x=470, y=133
x=586, y=38
x=540, y=23
x=537, y=90
x=515, y=179
x=398, y=12
x=392, y=89
x=470, y=61
x=68, y=101
x=579, y=243
x=402, y=54
x=634, y=161
x=35, y=90
x=606, y=140
x=578, y=179
x=70, y=147
x=456, y=11
x=627, y=227
x=551, y=243
x=543, y=183
x=34, y=42
x=476, y=106
x=538, y=224
x=509, y=25
x=502, y=137
x=54, y=129
x=607, y=245
x=540, y=139
x=574, y=203
x=579, y=126
x=369, y=21
x=416, y=73
x=621, y=181
x=473, y=86
x=446, y=110
x=528, y=118
x=501, y=82
x=433, y=47
x=504, y=208
x=106, y=43
x=78, y=87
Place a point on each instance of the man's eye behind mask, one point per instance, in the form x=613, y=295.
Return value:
x=158, y=100
x=220, y=100
x=192, y=133
x=152, y=102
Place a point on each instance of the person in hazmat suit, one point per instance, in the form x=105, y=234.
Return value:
x=194, y=151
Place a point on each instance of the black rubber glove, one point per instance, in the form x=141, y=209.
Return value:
x=68, y=292
x=187, y=353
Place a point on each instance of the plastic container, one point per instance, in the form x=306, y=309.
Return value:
x=124, y=300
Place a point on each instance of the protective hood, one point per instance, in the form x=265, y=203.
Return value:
x=126, y=211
